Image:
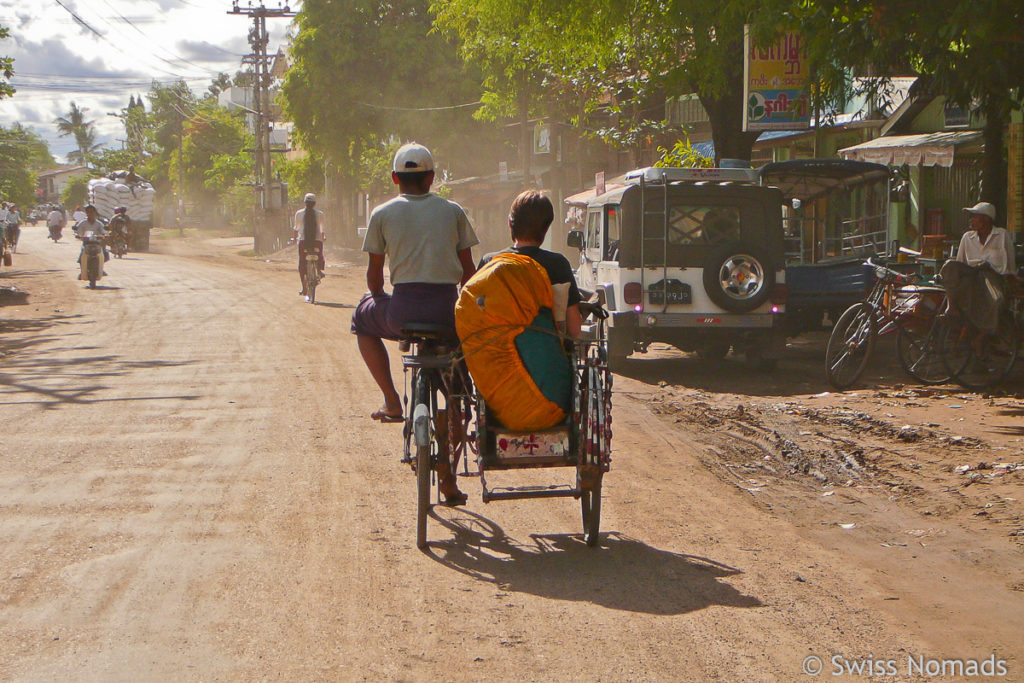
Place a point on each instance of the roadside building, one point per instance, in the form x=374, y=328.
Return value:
x=51, y=183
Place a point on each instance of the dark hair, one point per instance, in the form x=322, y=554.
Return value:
x=309, y=231
x=416, y=179
x=530, y=216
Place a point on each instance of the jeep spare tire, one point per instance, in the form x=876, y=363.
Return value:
x=739, y=277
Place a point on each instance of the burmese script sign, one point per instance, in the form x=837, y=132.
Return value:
x=776, y=85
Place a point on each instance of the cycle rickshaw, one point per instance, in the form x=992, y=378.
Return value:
x=447, y=421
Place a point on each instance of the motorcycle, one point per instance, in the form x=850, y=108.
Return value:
x=91, y=259
x=118, y=243
x=56, y=231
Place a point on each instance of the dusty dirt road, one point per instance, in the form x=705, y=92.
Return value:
x=191, y=489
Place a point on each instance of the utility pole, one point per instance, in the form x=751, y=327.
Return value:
x=258, y=41
x=181, y=186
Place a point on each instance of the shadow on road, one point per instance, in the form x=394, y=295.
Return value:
x=330, y=304
x=1015, y=428
x=623, y=573
x=33, y=372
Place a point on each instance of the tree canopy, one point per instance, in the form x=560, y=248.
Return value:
x=6, y=68
x=366, y=73
x=74, y=124
x=21, y=152
x=969, y=52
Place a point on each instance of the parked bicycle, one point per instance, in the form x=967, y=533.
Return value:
x=894, y=306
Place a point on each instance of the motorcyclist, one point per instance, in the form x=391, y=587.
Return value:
x=55, y=222
x=95, y=224
x=120, y=225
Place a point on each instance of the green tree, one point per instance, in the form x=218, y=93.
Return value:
x=213, y=137
x=73, y=123
x=303, y=175
x=617, y=58
x=970, y=52
x=17, y=181
x=39, y=156
x=218, y=85
x=6, y=68
x=108, y=160
x=365, y=73
x=75, y=193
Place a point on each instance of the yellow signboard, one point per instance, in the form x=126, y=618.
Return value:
x=776, y=84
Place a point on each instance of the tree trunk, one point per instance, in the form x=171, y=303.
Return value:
x=993, y=167
x=725, y=113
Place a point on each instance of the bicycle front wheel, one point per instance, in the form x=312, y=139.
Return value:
x=311, y=281
x=920, y=352
x=421, y=416
x=850, y=345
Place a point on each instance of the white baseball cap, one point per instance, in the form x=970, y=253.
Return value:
x=413, y=158
x=983, y=208
x=310, y=197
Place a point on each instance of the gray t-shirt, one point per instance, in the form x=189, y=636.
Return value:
x=421, y=235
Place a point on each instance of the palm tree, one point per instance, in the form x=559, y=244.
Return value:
x=74, y=123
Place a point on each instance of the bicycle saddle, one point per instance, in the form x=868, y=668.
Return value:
x=427, y=330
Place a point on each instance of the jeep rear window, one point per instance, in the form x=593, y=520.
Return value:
x=691, y=225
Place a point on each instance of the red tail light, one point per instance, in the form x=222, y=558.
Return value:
x=633, y=293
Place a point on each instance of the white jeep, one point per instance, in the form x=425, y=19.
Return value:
x=694, y=258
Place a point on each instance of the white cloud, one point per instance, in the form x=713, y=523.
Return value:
x=59, y=60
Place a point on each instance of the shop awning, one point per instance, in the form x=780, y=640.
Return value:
x=927, y=149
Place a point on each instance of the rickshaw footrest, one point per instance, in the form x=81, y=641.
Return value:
x=523, y=494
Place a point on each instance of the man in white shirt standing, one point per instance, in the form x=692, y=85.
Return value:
x=985, y=243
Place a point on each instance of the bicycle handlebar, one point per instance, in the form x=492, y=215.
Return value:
x=889, y=272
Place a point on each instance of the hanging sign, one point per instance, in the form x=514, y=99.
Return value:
x=776, y=84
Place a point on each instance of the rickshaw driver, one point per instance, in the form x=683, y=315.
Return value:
x=427, y=242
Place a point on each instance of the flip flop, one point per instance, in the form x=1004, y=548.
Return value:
x=455, y=500
x=386, y=418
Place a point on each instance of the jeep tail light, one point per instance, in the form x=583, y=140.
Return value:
x=780, y=293
x=633, y=293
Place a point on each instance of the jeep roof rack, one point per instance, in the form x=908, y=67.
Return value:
x=657, y=175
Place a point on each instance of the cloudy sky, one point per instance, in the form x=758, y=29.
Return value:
x=99, y=52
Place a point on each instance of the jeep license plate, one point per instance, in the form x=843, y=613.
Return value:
x=670, y=291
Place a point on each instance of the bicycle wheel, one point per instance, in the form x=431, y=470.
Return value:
x=920, y=352
x=590, y=506
x=980, y=361
x=595, y=435
x=424, y=465
x=850, y=345
x=311, y=281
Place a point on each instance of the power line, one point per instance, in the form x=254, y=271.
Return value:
x=143, y=34
x=454, y=106
x=82, y=22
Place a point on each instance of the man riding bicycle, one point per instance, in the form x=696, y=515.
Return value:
x=309, y=229
x=427, y=243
